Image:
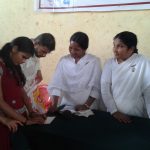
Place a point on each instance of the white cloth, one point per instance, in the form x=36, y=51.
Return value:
x=124, y=86
x=30, y=68
x=74, y=83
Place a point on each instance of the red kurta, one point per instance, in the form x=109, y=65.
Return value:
x=4, y=138
x=12, y=94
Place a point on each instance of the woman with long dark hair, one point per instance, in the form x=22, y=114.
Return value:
x=12, y=80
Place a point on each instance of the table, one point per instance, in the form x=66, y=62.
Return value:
x=98, y=132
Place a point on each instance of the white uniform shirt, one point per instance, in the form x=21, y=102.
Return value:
x=30, y=68
x=74, y=83
x=125, y=87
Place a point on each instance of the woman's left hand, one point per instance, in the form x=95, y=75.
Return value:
x=81, y=107
x=123, y=118
x=40, y=118
x=36, y=114
x=12, y=124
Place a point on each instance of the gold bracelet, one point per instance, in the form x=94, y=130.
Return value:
x=86, y=105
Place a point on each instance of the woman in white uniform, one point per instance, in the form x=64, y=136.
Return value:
x=77, y=77
x=125, y=84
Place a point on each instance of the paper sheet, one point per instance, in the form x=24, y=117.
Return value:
x=49, y=120
x=85, y=113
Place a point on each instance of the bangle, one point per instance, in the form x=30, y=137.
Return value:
x=86, y=105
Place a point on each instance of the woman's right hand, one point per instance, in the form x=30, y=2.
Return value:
x=35, y=120
x=121, y=117
x=52, y=108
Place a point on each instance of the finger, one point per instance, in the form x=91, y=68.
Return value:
x=129, y=121
x=14, y=128
x=20, y=123
x=126, y=120
x=44, y=116
x=38, y=120
x=120, y=120
x=9, y=127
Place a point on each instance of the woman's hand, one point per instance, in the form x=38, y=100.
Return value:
x=36, y=114
x=12, y=124
x=35, y=120
x=52, y=109
x=81, y=107
x=86, y=105
x=121, y=117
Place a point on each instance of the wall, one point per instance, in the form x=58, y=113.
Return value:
x=17, y=18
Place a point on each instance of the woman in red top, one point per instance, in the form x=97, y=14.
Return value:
x=12, y=80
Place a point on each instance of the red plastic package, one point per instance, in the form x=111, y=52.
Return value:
x=41, y=99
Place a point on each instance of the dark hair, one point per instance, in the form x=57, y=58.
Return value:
x=23, y=44
x=80, y=38
x=47, y=40
x=129, y=39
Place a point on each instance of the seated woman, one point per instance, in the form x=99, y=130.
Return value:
x=77, y=77
x=125, y=84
